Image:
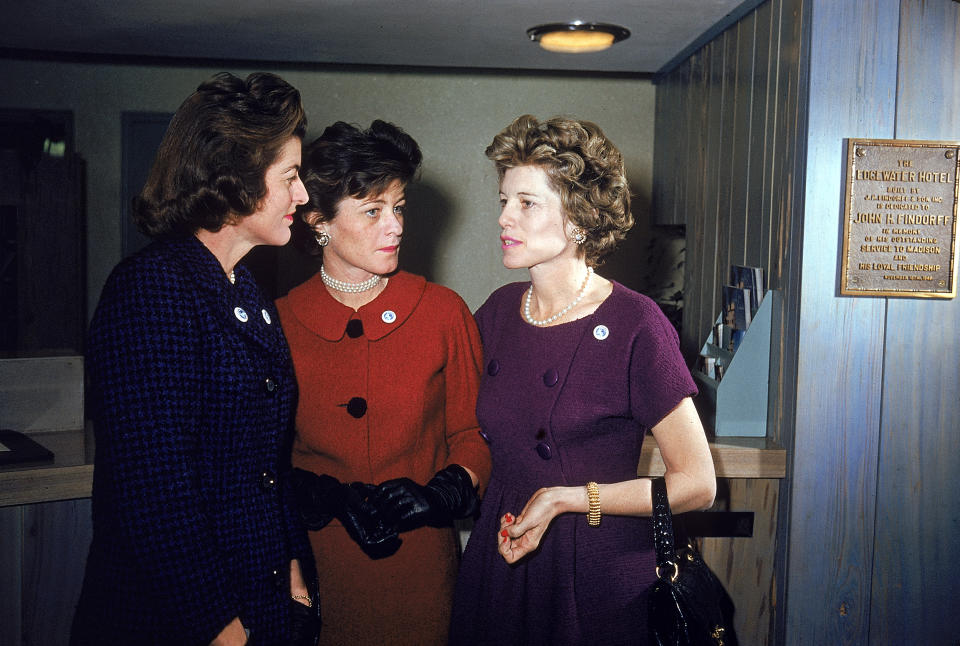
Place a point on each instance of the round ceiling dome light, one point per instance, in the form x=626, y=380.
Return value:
x=577, y=37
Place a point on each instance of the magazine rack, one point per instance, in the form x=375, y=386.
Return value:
x=736, y=405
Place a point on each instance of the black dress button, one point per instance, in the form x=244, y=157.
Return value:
x=486, y=438
x=354, y=328
x=357, y=407
x=268, y=481
x=493, y=367
x=270, y=384
x=551, y=377
x=544, y=451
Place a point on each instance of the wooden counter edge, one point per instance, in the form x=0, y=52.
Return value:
x=45, y=485
x=733, y=457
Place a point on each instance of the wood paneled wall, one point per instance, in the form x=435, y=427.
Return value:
x=915, y=584
x=725, y=156
x=43, y=549
x=728, y=146
x=864, y=391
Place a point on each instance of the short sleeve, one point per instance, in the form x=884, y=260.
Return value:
x=659, y=378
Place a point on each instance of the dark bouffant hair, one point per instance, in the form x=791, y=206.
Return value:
x=212, y=162
x=346, y=161
x=582, y=165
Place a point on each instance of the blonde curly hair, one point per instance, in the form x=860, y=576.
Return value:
x=582, y=165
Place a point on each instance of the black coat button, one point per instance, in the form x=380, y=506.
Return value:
x=493, y=367
x=357, y=407
x=354, y=328
x=551, y=377
x=486, y=438
x=544, y=451
x=268, y=481
x=270, y=384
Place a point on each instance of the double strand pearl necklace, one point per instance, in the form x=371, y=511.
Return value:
x=349, y=288
x=548, y=321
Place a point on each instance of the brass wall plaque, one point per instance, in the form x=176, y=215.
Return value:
x=900, y=218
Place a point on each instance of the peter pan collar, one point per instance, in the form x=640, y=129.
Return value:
x=327, y=317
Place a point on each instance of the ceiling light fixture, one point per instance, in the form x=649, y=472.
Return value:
x=577, y=37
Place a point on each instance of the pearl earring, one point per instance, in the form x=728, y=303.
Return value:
x=322, y=237
x=579, y=236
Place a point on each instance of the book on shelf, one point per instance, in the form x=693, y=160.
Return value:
x=726, y=337
x=745, y=277
x=736, y=336
x=736, y=307
x=708, y=366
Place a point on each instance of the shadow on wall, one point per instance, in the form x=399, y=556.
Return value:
x=425, y=229
x=650, y=260
x=280, y=269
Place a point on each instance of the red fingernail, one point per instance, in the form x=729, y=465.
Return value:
x=508, y=518
x=504, y=533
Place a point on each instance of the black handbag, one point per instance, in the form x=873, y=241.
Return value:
x=688, y=604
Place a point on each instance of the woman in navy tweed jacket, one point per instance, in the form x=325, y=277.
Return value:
x=195, y=540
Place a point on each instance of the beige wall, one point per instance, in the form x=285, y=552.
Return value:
x=453, y=115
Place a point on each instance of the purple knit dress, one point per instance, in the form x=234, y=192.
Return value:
x=565, y=405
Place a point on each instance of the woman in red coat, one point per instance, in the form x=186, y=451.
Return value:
x=387, y=445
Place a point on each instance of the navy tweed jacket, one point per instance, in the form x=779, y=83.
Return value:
x=193, y=395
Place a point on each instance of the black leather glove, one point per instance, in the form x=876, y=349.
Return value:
x=449, y=495
x=304, y=624
x=322, y=497
x=317, y=497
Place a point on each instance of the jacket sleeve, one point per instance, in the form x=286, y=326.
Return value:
x=145, y=367
x=465, y=357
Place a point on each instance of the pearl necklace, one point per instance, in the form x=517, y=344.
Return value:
x=529, y=297
x=349, y=288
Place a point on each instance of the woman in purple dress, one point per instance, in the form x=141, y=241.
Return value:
x=577, y=369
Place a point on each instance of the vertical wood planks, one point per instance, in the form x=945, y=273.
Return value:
x=11, y=574
x=916, y=592
x=744, y=565
x=740, y=153
x=864, y=389
x=54, y=554
x=739, y=194
x=853, y=52
x=758, y=240
x=700, y=245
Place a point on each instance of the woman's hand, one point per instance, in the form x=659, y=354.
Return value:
x=232, y=635
x=298, y=587
x=522, y=535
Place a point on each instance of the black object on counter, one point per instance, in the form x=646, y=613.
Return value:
x=21, y=449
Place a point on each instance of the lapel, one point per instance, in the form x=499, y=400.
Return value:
x=237, y=307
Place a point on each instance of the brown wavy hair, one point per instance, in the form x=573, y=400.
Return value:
x=582, y=165
x=212, y=163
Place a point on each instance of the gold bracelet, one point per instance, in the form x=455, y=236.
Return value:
x=593, y=510
x=303, y=597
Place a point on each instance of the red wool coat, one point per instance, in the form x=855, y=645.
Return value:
x=385, y=392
